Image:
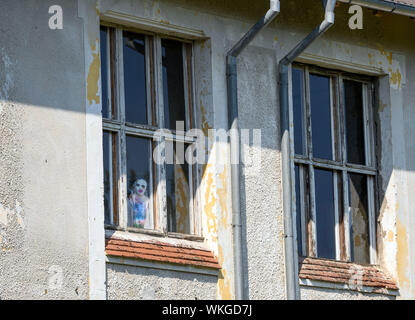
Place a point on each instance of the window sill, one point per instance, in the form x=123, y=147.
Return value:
x=156, y=233
x=149, y=251
x=331, y=274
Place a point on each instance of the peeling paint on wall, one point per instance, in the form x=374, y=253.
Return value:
x=395, y=77
x=93, y=76
x=402, y=254
x=224, y=288
x=387, y=54
x=210, y=202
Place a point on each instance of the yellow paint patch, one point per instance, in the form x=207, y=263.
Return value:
x=388, y=56
x=205, y=124
x=210, y=202
x=382, y=107
x=395, y=77
x=370, y=58
x=357, y=241
x=93, y=77
x=403, y=254
x=222, y=199
x=390, y=236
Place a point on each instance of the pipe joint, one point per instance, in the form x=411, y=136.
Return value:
x=329, y=17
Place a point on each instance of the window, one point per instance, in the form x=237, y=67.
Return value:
x=334, y=164
x=147, y=107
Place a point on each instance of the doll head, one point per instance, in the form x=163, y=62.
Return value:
x=140, y=187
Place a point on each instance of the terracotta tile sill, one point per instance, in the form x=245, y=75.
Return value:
x=352, y=274
x=157, y=251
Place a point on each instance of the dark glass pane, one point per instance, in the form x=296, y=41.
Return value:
x=178, y=191
x=298, y=114
x=107, y=177
x=298, y=209
x=321, y=116
x=355, y=136
x=135, y=78
x=104, y=73
x=173, y=83
x=110, y=178
x=139, y=177
x=360, y=219
x=325, y=223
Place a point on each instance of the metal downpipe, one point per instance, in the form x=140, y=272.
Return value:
x=231, y=74
x=291, y=258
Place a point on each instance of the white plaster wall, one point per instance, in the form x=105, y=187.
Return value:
x=315, y=293
x=129, y=282
x=43, y=222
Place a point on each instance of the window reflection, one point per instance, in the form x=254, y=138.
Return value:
x=107, y=177
x=355, y=137
x=298, y=209
x=359, y=232
x=178, y=193
x=139, y=177
x=325, y=214
x=135, y=78
x=297, y=80
x=321, y=116
x=173, y=83
x=110, y=178
x=104, y=73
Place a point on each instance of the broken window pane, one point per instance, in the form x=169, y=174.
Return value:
x=104, y=73
x=298, y=209
x=139, y=178
x=321, y=116
x=325, y=222
x=110, y=178
x=173, y=83
x=178, y=189
x=135, y=78
x=359, y=218
x=355, y=135
x=298, y=113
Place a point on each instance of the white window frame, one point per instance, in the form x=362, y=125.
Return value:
x=308, y=224
x=155, y=104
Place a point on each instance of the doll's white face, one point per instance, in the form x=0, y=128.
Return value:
x=140, y=187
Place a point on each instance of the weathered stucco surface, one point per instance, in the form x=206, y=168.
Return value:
x=49, y=99
x=130, y=282
x=314, y=293
x=43, y=222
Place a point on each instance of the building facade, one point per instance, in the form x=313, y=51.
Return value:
x=117, y=171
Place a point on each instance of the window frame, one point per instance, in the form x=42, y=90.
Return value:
x=154, y=131
x=339, y=166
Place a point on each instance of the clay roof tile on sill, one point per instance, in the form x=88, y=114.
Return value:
x=345, y=273
x=161, y=252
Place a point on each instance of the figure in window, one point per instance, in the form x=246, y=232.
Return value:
x=138, y=205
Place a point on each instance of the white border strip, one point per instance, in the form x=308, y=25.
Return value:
x=94, y=155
